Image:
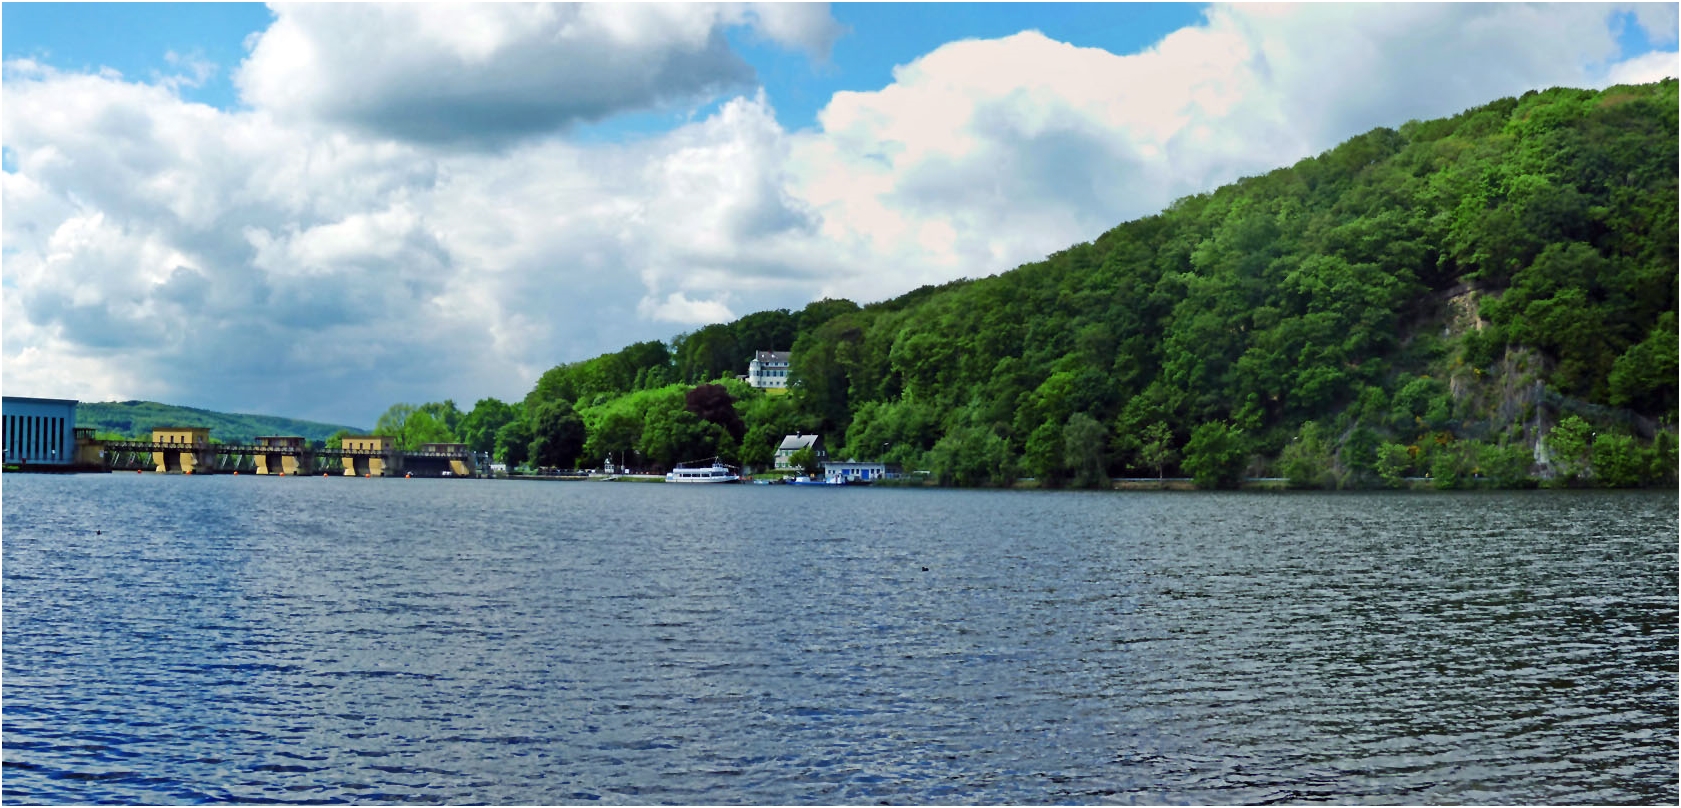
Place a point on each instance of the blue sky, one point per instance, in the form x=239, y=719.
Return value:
x=420, y=201
x=133, y=39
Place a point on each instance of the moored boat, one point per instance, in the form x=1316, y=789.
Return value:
x=713, y=472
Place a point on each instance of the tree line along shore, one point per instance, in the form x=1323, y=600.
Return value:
x=1482, y=300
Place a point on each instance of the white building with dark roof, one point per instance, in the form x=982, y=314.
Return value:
x=768, y=369
x=794, y=443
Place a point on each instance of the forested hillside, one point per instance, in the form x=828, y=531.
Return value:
x=136, y=419
x=1488, y=296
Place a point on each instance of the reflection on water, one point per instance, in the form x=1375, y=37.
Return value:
x=306, y=640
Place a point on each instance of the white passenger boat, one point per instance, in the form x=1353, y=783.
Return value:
x=712, y=472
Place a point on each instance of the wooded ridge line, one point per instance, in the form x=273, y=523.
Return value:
x=1483, y=299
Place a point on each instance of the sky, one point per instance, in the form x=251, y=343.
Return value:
x=320, y=210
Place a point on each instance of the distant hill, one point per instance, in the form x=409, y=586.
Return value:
x=137, y=418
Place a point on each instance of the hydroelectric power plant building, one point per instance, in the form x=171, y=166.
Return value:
x=40, y=435
x=38, y=431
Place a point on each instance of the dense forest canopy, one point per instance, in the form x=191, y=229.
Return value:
x=1454, y=298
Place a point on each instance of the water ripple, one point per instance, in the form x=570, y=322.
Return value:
x=306, y=641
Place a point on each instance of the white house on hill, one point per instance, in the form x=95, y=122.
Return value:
x=768, y=369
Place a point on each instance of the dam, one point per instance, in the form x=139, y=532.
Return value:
x=189, y=450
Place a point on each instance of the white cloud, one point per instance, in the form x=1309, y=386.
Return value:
x=490, y=73
x=678, y=308
x=323, y=254
x=1659, y=21
x=197, y=70
x=807, y=26
x=1645, y=69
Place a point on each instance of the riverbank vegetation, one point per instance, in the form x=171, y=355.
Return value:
x=1488, y=299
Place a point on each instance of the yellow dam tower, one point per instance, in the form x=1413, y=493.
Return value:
x=194, y=454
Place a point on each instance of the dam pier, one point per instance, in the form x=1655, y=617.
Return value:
x=189, y=450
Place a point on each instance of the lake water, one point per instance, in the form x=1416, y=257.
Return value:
x=254, y=639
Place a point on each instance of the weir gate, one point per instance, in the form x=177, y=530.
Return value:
x=188, y=450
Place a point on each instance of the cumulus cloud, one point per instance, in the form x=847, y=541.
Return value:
x=342, y=245
x=211, y=255
x=488, y=73
x=1645, y=69
x=984, y=154
x=807, y=26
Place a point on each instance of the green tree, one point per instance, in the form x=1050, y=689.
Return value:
x=806, y=461
x=1394, y=462
x=1422, y=403
x=616, y=432
x=896, y=431
x=758, y=447
x=972, y=456
x=1044, y=455
x=820, y=312
x=672, y=435
x=1569, y=443
x=422, y=428
x=1618, y=462
x=1083, y=441
x=708, y=352
x=557, y=435
x=447, y=416
x=1215, y=455
x=1662, y=469
x=1156, y=450
x=478, y=428
x=394, y=422
x=1508, y=466
x=1306, y=461
x=1359, y=457
x=513, y=443
x=1644, y=376
x=1451, y=464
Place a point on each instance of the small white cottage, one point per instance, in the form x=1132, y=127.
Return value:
x=794, y=443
